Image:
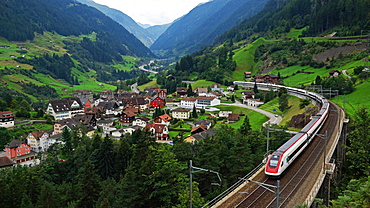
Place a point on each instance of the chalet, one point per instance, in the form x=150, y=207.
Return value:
x=64, y=123
x=163, y=119
x=188, y=102
x=6, y=119
x=271, y=78
x=224, y=114
x=216, y=87
x=201, y=91
x=157, y=101
x=231, y=88
x=202, y=102
x=259, y=78
x=38, y=141
x=107, y=94
x=127, y=117
x=181, y=113
x=201, y=135
x=64, y=108
x=162, y=93
x=107, y=130
x=137, y=102
x=85, y=119
x=253, y=102
x=19, y=151
x=334, y=73
x=247, y=75
x=206, y=123
x=198, y=129
x=87, y=94
x=110, y=107
x=125, y=131
x=143, y=121
x=159, y=131
x=181, y=91
x=233, y=117
x=106, y=122
x=247, y=94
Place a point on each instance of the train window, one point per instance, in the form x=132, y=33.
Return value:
x=282, y=163
x=274, y=161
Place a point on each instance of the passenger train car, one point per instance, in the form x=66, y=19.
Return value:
x=280, y=160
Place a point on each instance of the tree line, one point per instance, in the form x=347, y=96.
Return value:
x=134, y=171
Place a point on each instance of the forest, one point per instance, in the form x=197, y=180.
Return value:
x=134, y=171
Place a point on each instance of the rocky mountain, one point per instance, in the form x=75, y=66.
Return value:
x=203, y=24
x=126, y=21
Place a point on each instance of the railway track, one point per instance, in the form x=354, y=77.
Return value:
x=303, y=171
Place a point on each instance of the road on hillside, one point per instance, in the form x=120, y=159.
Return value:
x=274, y=118
x=147, y=70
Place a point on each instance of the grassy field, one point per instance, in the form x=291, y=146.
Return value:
x=256, y=119
x=287, y=116
x=244, y=58
x=356, y=100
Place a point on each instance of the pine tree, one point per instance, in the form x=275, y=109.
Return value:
x=194, y=113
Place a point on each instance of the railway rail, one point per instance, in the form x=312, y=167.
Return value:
x=298, y=180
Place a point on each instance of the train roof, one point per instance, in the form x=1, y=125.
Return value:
x=288, y=143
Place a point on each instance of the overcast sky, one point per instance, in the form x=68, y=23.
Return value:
x=153, y=12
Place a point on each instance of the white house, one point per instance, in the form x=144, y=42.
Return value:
x=6, y=119
x=181, y=113
x=188, y=102
x=141, y=122
x=202, y=102
x=64, y=108
x=38, y=141
x=254, y=102
x=224, y=114
x=217, y=87
x=125, y=131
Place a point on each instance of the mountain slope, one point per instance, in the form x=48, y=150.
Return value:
x=127, y=22
x=21, y=19
x=204, y=23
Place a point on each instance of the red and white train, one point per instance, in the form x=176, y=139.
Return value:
x=280, y=160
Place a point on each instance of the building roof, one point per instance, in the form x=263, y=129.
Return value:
x=205, y=122
x=144, y=119
x=158, y=127
x=199, y=128
x=205, y=98
x=37, y=134
x=6, y=114
x=165, y=117
x=233, y=117
x=60, y=105
x=110, y=105
x=201, y=90
x=137, y=101
x=181, y=110
x=15, y=143
x=129, y=113
x=5, y=161
x=204, y=134
x=189, y=99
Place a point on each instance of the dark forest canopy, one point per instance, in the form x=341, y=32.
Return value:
x=280, y=16
x=21, y=19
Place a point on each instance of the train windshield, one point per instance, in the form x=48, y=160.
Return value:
x=274, y=161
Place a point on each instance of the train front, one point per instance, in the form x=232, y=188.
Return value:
x=272, y=166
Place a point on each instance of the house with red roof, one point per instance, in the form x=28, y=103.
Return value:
x=163, y=119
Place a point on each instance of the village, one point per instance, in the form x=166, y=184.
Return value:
x=116, y=114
